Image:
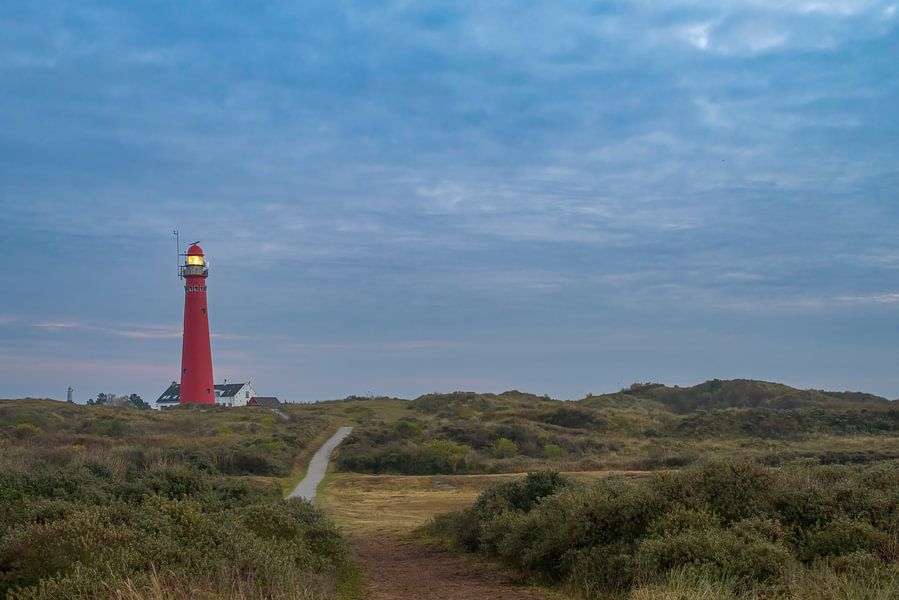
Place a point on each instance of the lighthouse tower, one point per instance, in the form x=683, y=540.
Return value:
x=196, y=355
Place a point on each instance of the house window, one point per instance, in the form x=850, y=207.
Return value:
x=247, y=393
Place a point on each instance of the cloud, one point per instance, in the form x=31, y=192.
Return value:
x=123, y=330
x=697, y=34
x=17, y=366
x=59, y=325
x=885, y=298
x=371, y=177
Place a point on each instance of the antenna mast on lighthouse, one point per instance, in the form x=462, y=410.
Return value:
x=178, y=254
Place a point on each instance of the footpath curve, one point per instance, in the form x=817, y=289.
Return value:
x=318, y=466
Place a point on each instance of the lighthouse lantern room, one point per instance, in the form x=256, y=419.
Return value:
x=196, y=353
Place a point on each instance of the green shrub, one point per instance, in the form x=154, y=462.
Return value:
x=26, y=430
x=108, y=426
x=86, y=516
x=840, y=536
x=505, y=448
x=183, y=522
x=719, y=552
x=753, y=527
x=553, y=451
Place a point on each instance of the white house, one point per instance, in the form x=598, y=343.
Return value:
x=226, y=394
x=234, y=394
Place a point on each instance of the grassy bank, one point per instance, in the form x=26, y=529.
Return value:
x=722, y=530
x=644, y=427
x=100, y=502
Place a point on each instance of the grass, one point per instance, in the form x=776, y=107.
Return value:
x=354, y=410
x=238, y=441
x=350, y=583
x=396, y=505
x=439, y=453
x=120, y=503
x=644, y=427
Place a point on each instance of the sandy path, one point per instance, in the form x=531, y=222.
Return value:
x=397, y=570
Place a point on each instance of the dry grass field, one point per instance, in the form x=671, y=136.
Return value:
x=396, y=505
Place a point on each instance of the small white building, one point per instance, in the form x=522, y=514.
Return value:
x=226, y=394
x=234, y=394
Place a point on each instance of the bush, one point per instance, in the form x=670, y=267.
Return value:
x=841, y=536
x=381, y=451
x=553, y=451
x=505, y=448
x=103, y=502
x=750, y=526
x=179, y=521
x=470, y=527
x=26, y=430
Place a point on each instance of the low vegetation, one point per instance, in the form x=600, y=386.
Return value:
x=719, y=530
x=102, y=502
x=646, y=426
x=802, y=501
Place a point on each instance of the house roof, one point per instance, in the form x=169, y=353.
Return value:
x=266, y=401
x=228, y=389
x=172, y=395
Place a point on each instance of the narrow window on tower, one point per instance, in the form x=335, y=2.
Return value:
x=203, y=311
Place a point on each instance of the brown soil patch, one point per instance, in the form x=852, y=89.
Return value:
x=397, y=569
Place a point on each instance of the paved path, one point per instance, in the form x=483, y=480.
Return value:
x=318, y=466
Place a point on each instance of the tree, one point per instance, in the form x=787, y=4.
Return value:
x=505, y=448
x=444, y=453
x=132, y=401
x=137, y=402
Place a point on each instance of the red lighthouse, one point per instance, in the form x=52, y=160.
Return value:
x=196, y=354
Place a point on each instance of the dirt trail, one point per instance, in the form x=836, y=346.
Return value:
x=399, y=570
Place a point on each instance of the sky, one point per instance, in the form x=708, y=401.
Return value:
x=401, y=197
